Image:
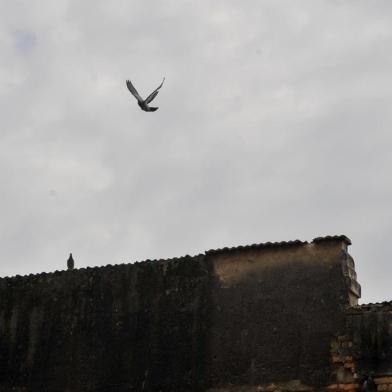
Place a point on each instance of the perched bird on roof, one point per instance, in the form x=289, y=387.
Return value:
x=70, y=262
x=143, y=103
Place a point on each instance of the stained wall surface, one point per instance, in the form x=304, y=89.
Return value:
x=364, y=349
x=274, y=312
x=228, y=318
x=370, y=330
x=130, y=327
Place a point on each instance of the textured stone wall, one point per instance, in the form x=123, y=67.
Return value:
x=371, y=330
x=275, y=313
x=261, y=317
x=365, y=348
x=128, y=327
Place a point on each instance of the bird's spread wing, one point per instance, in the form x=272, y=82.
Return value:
x=151, y=97
x=134, y=91
x=154, y=93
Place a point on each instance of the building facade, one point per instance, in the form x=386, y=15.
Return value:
x=265, y=317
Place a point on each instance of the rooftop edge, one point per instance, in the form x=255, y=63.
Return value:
x=263, y=245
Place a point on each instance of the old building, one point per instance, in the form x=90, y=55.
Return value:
x=265, y=317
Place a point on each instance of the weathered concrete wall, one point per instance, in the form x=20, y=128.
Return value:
x=275, y=313
x=128, y=327
x=371, y=330
x=365, y=347
x=231, y=318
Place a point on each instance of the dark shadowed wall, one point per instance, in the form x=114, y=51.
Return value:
x=239, y=316
x=275, y=312
x=370, y=329
x=128, y=327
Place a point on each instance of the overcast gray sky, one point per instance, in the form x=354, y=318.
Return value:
x=274, y=123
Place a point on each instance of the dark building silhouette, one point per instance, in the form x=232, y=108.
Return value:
x=265, y=317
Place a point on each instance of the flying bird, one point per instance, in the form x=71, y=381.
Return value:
x=143, y=103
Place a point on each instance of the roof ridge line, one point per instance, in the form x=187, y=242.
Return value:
x=262, y=245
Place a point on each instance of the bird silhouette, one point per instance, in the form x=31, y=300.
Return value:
x=70, y=262
x=143, y=103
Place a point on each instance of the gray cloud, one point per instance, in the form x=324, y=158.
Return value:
x=274, y=124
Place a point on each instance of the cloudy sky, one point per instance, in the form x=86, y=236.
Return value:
x=274, y=123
